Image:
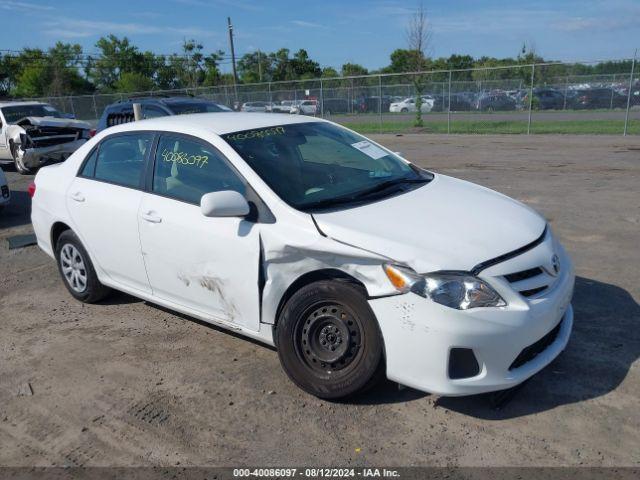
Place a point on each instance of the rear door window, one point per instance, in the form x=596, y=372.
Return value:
x=121, y=159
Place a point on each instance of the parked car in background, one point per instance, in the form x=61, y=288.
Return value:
x=460, y=102
x=489, y=102
x=546, y=99
x=33, y=133
x=305, y=107
x=299, y=233
x=284, y=106
x=254, y=107
x=409, y=105
x=5, y=193
x=592, y=98
x=375, y=104
x=335, y=105
x=153, y=107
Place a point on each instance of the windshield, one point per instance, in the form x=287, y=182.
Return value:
x=196, y=107
x=318, y=165
x=17, y=112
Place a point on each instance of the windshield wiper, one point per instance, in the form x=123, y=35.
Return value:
x=382, y=186
x=364, y=194
x=328, y=202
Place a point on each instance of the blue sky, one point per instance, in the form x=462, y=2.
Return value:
x=334, y=32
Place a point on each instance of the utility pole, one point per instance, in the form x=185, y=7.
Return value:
x=633, y=68
x=260, y=65
x=233, y=58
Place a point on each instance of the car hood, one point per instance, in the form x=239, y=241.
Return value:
x=53, y=122
x=447, y=224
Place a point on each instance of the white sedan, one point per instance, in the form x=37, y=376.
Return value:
x=255, y=106
x=305, y=235
x=409, y=105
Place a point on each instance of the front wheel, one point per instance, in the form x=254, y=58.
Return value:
x=77, y=271
x=18, y=160
x=328, y=340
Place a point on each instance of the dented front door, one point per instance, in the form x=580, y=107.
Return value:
x=206, y=264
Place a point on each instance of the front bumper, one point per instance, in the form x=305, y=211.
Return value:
x=35, y=157
x=419, y=334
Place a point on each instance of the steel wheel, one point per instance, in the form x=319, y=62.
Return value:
x=73, y=268
x=329, y=339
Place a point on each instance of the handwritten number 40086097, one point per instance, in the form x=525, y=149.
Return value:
x=183, y=158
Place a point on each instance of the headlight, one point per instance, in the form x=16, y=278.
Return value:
x=456, y=290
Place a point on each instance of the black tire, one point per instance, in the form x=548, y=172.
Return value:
x=20, y=168
x=328, y=340
x=404, y=110
x=94, y=291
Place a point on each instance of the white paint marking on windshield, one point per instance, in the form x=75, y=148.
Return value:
x=369, y=149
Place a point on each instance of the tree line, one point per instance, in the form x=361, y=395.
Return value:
x=120, y=66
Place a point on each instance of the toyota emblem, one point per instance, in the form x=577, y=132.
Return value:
x=555, y=262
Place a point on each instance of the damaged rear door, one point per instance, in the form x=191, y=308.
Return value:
x=206, y=264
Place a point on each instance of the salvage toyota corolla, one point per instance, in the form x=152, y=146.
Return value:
x=305, y=235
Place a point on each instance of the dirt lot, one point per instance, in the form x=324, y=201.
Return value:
x=127, y=383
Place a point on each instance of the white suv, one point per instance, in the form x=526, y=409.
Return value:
x=305, y=107
x=305, y=235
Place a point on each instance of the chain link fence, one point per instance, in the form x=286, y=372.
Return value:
x=555, y=98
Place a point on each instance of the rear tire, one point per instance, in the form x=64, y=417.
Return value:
x=328, y=340
x=76, y=270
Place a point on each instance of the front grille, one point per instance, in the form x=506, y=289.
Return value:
x=518, y=276
x=529, y=282
x=5, y=191
x=51, y=141
x=533, y=291
x=119, y=118
x=533, y=350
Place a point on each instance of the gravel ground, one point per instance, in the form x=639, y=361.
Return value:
x=128, y=383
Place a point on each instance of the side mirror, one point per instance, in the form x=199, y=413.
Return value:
x=227, y=203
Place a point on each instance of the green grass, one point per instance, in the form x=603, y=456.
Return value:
x=569, y=127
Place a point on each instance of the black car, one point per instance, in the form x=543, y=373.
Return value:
x=373, y=104
x=489, y=102
x=122, y=111
x=547, y=99
x=460, y=102
x=601, y=97
x=335, y=105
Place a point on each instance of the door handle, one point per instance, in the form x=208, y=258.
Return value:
x=151, y=217
x=77, y=196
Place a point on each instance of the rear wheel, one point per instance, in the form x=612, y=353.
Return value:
x=77, y=271
x=18, y=160
x=328, y=340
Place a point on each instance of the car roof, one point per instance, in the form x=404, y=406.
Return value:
x=219, y=123
x=164, y=100
x=15, y=104
x=185, y=100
